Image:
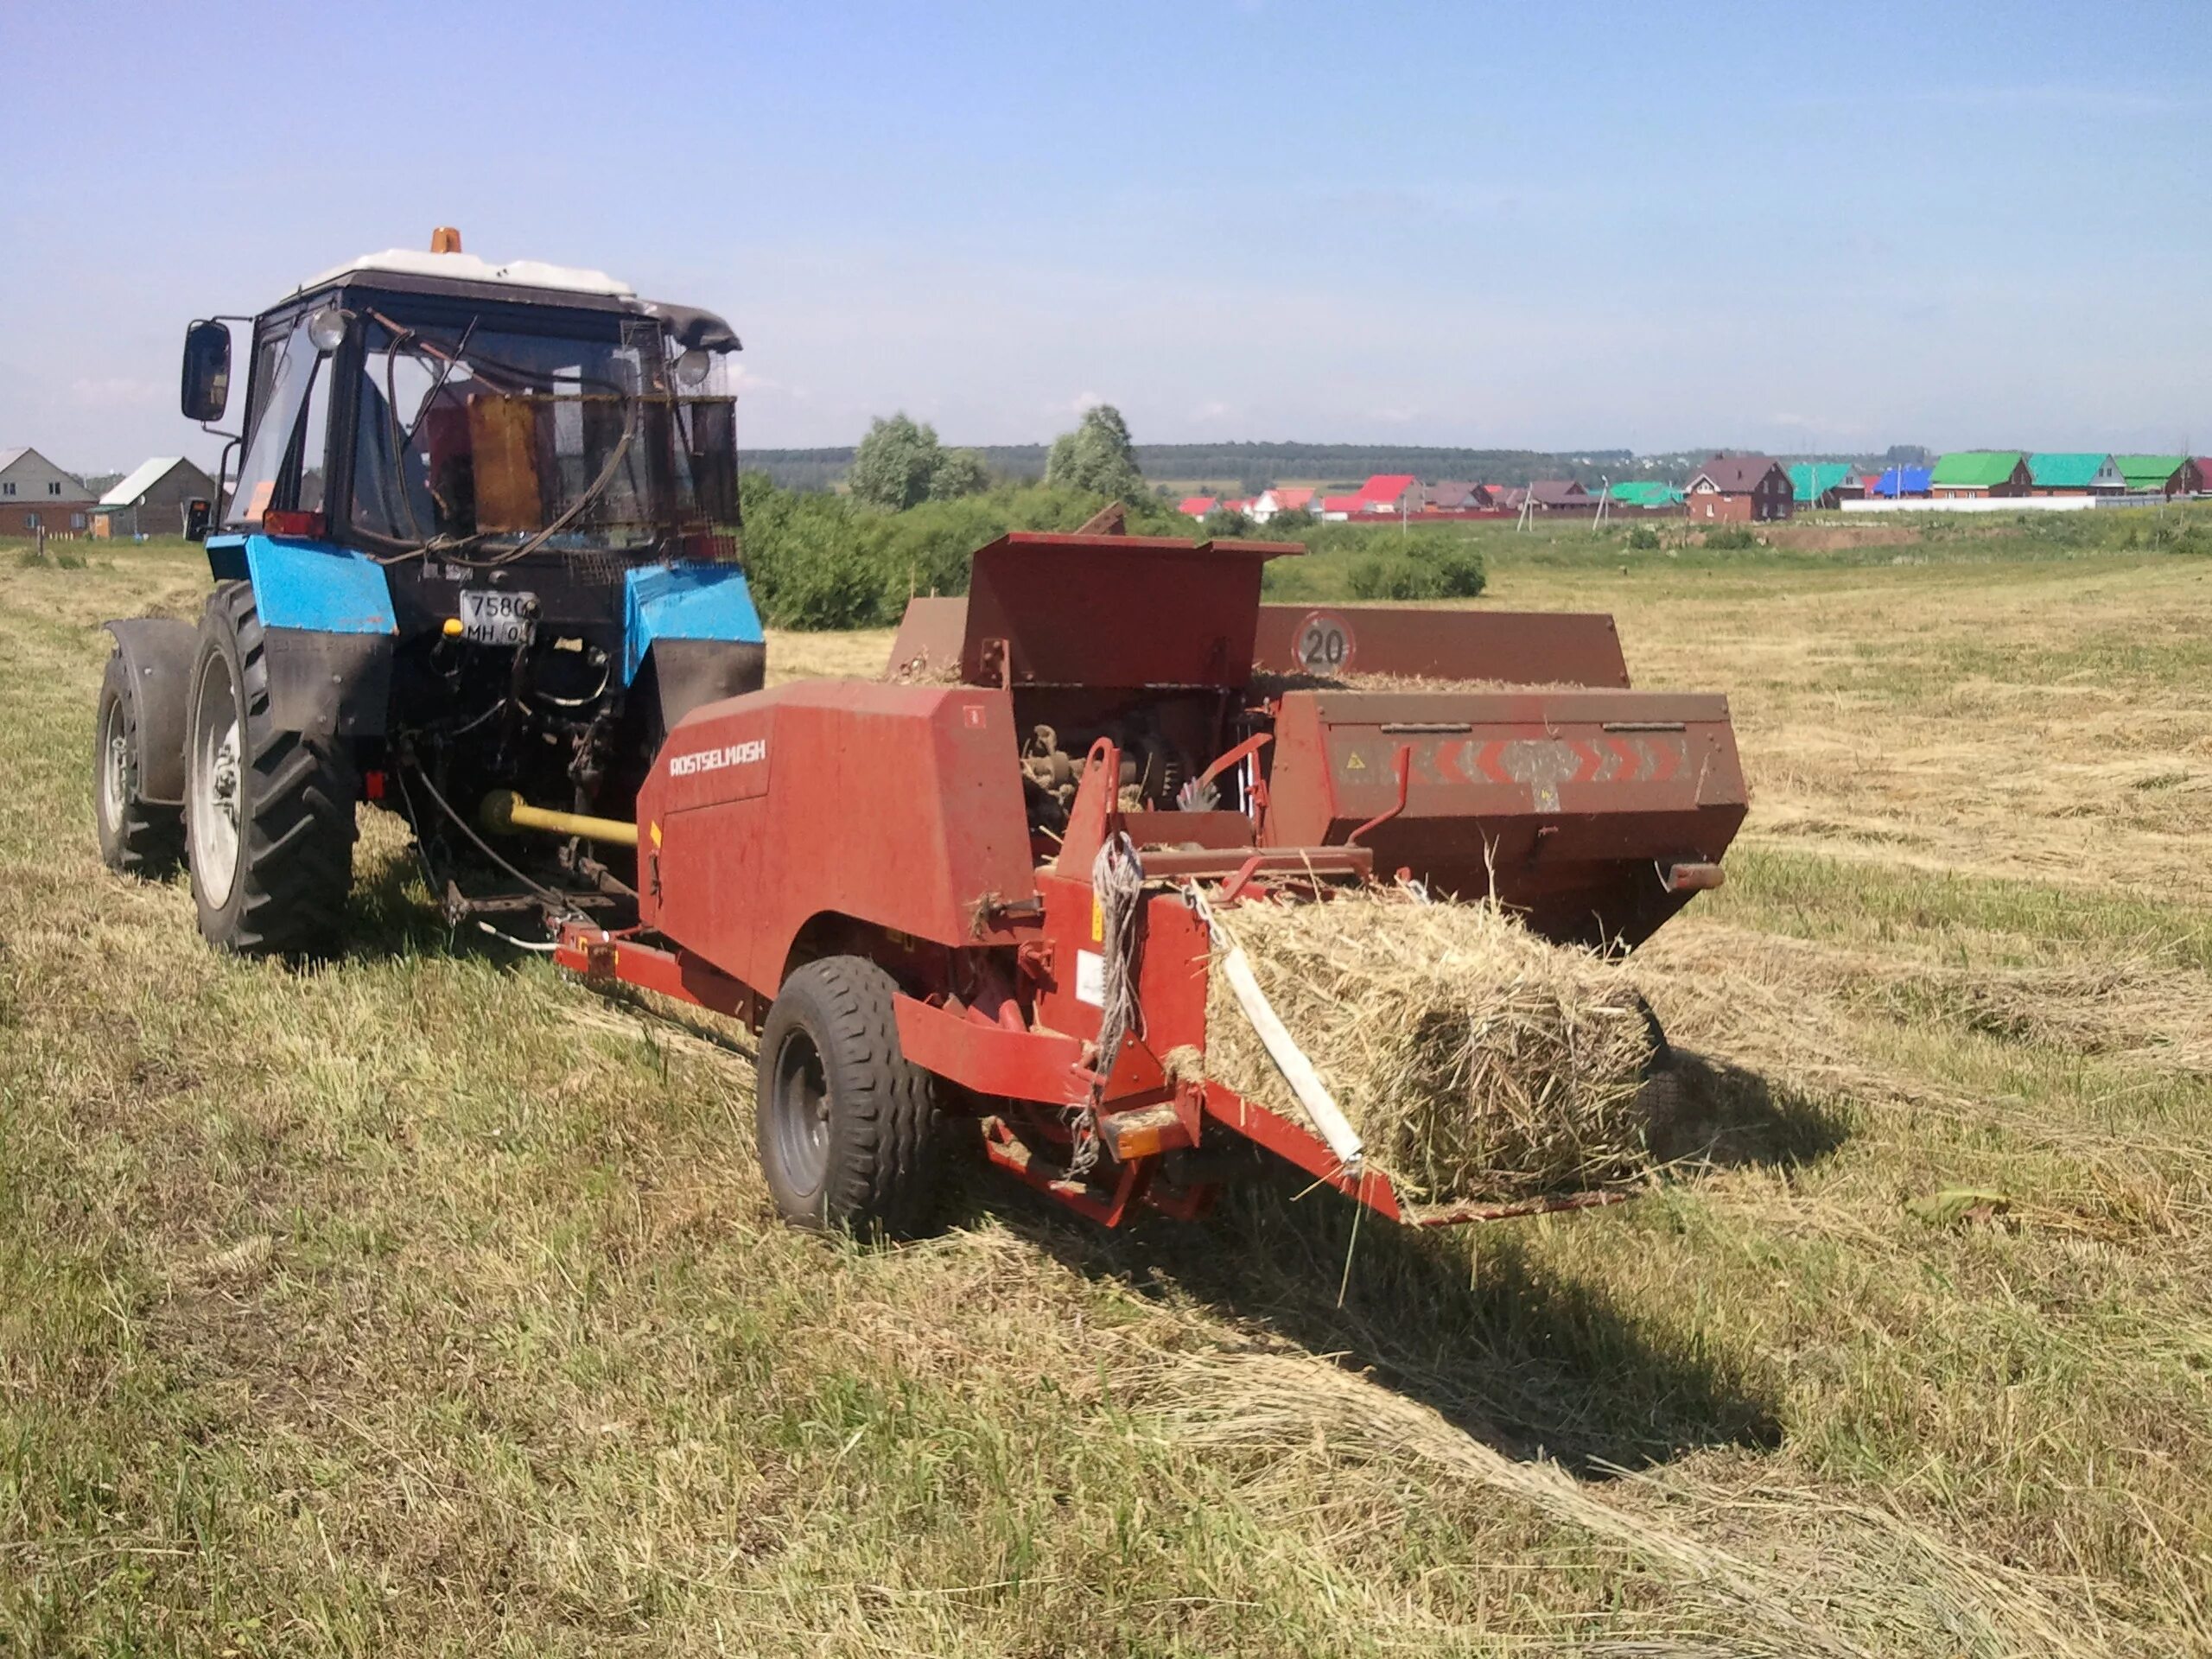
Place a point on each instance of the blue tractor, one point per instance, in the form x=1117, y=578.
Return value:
x=477, y=533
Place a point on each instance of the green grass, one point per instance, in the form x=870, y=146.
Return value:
x=427, y=1302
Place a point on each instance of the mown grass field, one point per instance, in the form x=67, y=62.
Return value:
x=426, y=1302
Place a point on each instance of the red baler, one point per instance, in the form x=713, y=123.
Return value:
x=893, y=881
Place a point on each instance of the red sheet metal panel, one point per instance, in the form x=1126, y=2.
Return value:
x=1172, y=962
x=1519, y=647
x=1123, y=611
x=930, y=638
x=897, y=806
x=1563, y=802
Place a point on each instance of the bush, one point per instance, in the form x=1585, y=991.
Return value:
x=1222, y=522
x=819, y=562
x=1458, y=574
x=1643, y=539
x=1732, y=538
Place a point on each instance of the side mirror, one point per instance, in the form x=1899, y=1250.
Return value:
x=197, y=513
x=206, y=391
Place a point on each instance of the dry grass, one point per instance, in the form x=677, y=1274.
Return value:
x=1476, y=1060
x=2049, y=722
x=426, y=1303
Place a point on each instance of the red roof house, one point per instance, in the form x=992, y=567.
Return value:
x=1197, y=505
x=1281, y=498
x=1391, y=493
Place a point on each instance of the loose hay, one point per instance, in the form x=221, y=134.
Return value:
x=1476, y=1060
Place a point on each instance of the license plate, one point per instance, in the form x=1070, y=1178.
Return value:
x=496, y=619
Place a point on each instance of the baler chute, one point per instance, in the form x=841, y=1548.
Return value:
x=917, y=886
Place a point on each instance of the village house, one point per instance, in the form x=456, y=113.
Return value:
x=1392, y=493
x=1900, y=482
x=1269, y=503
x=36, y=495
x=1974, y=473
x=1646, y=495
x=2158, y=474
x=1560, y=495
x=2074, y=473
x=1453, y=497
x=1742, y=489
x=154, y=500
x=1825, y=484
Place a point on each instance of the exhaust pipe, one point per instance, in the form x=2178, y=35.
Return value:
x=505, y=813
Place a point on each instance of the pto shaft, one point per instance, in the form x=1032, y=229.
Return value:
x=505, y=813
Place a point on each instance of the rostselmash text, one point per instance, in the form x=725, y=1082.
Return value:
x=730, y=755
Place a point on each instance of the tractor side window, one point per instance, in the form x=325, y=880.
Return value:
x=277, y=462
x=304, y=469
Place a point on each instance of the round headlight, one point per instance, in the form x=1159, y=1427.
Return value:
x=327, y=328
x=693, y=367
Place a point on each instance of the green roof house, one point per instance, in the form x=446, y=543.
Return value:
x=1825, y=483
x=1981, y=472
x=2158, y=474
x=1649, y=494
x=2068, y=474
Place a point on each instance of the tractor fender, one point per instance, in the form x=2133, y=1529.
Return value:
x=156, y=654
x=328, y=629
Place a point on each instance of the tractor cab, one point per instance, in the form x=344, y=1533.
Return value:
x=435, y=403
x=478, y=530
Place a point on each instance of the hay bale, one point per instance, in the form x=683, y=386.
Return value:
x=1477, y=1061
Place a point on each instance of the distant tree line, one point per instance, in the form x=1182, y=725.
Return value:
x=1248, y=468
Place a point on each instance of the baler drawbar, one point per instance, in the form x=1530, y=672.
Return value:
x=980, y=888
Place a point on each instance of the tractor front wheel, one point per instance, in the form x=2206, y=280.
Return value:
x=847, y=1127
x=269, y=813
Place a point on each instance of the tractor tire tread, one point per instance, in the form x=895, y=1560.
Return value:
x=150, y=840
x=298, y=865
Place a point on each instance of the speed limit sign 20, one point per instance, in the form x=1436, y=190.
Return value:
x=1323, y=643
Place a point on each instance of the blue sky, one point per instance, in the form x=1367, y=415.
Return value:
x=1790, y=226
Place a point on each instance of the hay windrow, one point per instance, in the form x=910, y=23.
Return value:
x=1476, y=1060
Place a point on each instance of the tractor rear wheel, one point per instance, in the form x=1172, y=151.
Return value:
x=847, y=1126
x=269, y=813
x=137, y=836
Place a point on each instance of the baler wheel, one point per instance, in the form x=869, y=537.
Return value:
x=269, y=813
x=137, y=836
x=847, y=1127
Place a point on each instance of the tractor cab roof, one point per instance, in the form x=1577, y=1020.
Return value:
x=520, y=282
